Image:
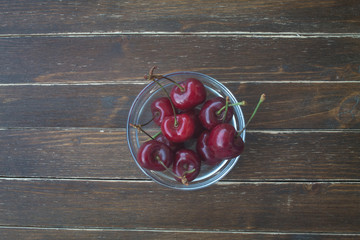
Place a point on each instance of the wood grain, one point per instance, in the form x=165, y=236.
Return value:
x=288, y=105
x=226, y=58
x=186, y=16
x=69, y=71
x=156, y=234
x=104, y=154
x=321, y=155
x=301, y=207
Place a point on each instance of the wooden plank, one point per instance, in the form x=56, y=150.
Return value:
x=68, y=153
x=318, y=105
x=156, y=234
x=104, y=154
x=299, y=156
x=205, y=15
x=71, y=106
x=226, y=58
x=295, y=207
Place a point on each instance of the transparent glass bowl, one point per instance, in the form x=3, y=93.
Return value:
x=140, y=113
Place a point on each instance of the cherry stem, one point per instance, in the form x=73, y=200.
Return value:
x=138, y=127
x=172, y=105
x=189, y=171
x=157, y=134
x=173, y=81
x=242, y=103
x=226, y=108
x=183, y=178
x=147, y=122
x=154, y=78
x=262, y=99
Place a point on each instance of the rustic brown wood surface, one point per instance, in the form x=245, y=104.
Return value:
x=247, y=206
x=334, y=16
x=224, y=57
x=103, y=154
x=292, y=105
x=70, y=69
x=146, y=234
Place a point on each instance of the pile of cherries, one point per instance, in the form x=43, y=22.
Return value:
x=187, y=116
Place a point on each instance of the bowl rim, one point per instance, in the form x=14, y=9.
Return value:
x=214, y=179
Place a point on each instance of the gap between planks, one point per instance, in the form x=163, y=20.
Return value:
x=243, y=34
x=142, y=82
x=149, y=181
x=92, y=229
x=104, y=130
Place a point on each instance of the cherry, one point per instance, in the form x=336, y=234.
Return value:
x=172, y=145
x=188, y=94
x=210, y=114
x=178, y=128
x=154, y=78
x=202, y=148
x=225, y=142
x=186, y=164
x=161, y=108
x=194, y=114
x=154, y=155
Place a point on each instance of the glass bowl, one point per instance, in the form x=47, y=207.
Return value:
x=140, y=113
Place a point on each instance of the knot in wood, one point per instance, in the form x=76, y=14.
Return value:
x=349, y=110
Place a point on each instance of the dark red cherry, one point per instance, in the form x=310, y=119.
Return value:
x=225, y=142
x=161, y=108
x=194, y=114
x=180, y=132
x=209, y=114
x=151, y=152
x=193, y=93
x=186, y=164
x=206, y=154
x=172, y=145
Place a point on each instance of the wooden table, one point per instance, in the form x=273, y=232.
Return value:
x=70, y=69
